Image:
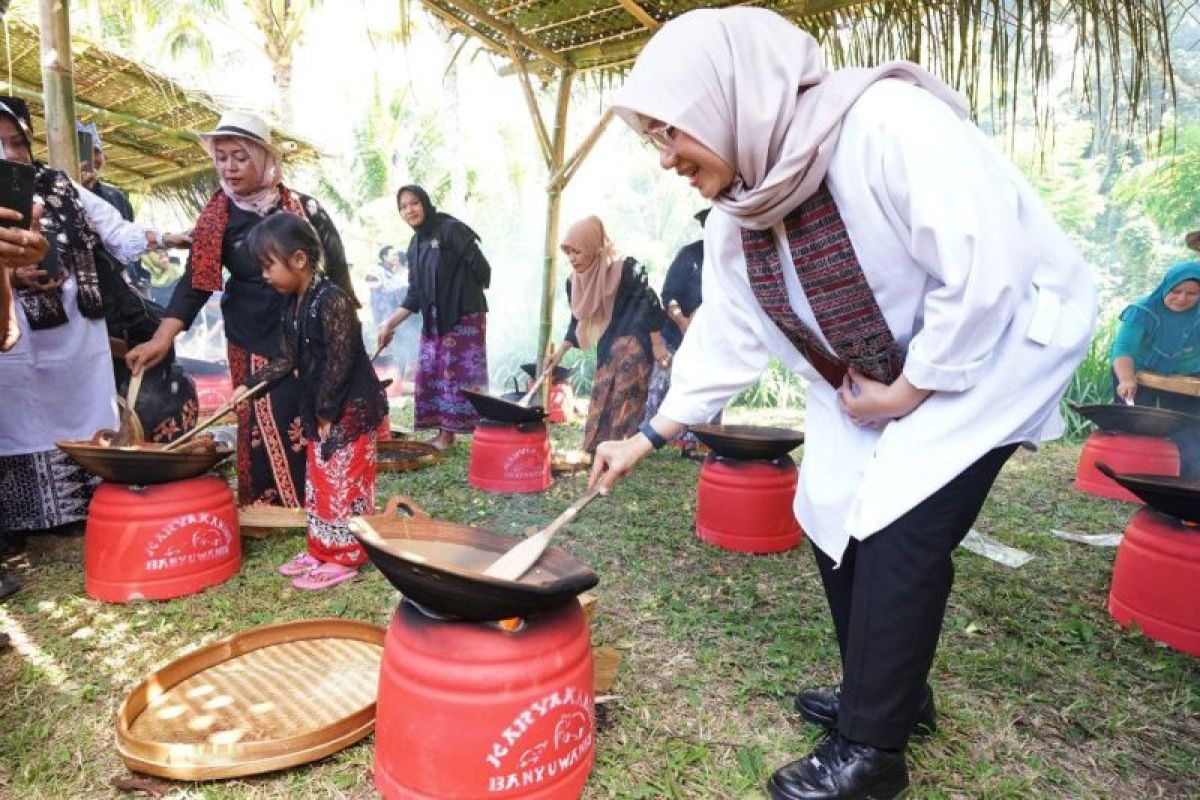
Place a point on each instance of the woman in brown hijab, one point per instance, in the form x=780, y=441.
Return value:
x=613, y=308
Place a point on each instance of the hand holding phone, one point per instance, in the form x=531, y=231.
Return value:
x=16, y=192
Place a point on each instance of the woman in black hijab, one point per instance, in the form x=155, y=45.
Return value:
x=447, y=276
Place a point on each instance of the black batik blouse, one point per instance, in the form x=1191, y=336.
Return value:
x=250, y=307
x=636, y=312
x=322, y=343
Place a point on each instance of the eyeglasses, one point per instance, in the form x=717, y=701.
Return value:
x=659, y=136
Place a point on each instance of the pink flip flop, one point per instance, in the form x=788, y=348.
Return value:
x=300, y=565
x=325, y=576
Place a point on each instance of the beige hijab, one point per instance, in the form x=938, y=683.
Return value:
x=593, y=291
x=751, y=87
x=264, y=197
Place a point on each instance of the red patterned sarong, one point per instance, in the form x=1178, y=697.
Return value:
x=338, y=488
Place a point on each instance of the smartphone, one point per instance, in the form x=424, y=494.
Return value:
x=16, y=191
x=87, y=150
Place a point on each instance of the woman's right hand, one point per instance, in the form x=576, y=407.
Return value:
x=1127, y=389
x=147, y=355
x=614, y=460
x=385, y=334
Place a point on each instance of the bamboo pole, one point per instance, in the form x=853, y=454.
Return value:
x=535, y=113
x=553, y=201
x=560, y=179
x=58, y=82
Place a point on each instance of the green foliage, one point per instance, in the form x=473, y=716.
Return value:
x=1164, y=187
x=777, y=388
x=1092, y=381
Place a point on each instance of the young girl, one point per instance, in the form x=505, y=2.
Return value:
x=342, y=400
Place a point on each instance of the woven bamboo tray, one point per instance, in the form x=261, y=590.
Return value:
x=403, y=455
x=259, y=520
x=1179, y=384
x=262, y=700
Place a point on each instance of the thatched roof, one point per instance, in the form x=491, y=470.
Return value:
x=147, y=122
x=993, y=46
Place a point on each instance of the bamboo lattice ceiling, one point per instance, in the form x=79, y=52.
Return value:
x=147, y=122
x=994, y=46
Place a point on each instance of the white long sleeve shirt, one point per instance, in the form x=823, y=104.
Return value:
x=992, y=302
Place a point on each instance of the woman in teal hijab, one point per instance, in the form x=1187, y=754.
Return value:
x=1161, y=333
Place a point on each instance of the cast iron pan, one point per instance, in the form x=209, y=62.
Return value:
x=142, y=466
x=398, y=543
x=748, y=441
x=560, y=373
x=1137, y=420
x=1176, y=497
x=498, y=410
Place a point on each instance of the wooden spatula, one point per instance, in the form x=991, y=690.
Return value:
x=220, y=412
x=130, y=433
x=523, y=555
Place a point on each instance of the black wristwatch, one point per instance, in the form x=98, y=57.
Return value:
x=656, y=439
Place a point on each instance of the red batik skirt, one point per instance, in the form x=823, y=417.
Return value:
x=336, y=489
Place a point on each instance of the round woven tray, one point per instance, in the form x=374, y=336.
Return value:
x=402, y=455
x=261, y=700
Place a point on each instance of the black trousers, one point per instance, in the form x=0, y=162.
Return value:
x=888, y=599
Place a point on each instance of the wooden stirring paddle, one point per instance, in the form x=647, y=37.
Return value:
x=220, y=412
x=524, y=554
x=130, y=433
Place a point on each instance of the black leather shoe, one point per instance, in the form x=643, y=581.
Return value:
x=839, y=769
x=820, y=707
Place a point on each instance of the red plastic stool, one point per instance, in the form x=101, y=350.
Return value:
x=160, y=542
x=510, y=458
x=467, y=710
x=1155, y=580
x=1148, y=455
x=747, y=505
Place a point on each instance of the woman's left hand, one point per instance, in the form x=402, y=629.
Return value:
x=323, y=428
x=872, y=404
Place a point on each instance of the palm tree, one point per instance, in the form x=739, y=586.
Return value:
x=178, y=26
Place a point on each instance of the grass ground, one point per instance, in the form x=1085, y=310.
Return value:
x=1040, y=694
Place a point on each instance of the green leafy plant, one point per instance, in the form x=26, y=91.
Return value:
x=1092, y=381
x=777, y=388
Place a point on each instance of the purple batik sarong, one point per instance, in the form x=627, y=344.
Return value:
x=448, y=363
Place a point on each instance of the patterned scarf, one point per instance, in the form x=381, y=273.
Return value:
x=210, y=233
x=72, y=239
x=837, y=290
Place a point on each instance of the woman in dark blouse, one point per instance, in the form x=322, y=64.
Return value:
x=447, y=274
x=681, y=297
x=613, y=308
x=271, y=443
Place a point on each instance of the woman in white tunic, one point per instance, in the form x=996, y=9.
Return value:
x=865, y=233
x=57, y=380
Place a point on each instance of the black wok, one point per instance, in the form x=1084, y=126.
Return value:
x=1136, y=420
x=1176, y=497
x=439, y=565
x=748, y=442
x=498, y=410
x=142, y=466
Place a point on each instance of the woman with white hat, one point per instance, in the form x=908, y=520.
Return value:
x=271, y=447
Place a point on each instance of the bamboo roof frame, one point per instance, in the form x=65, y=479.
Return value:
x=1122, y=56
x=147, y=122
